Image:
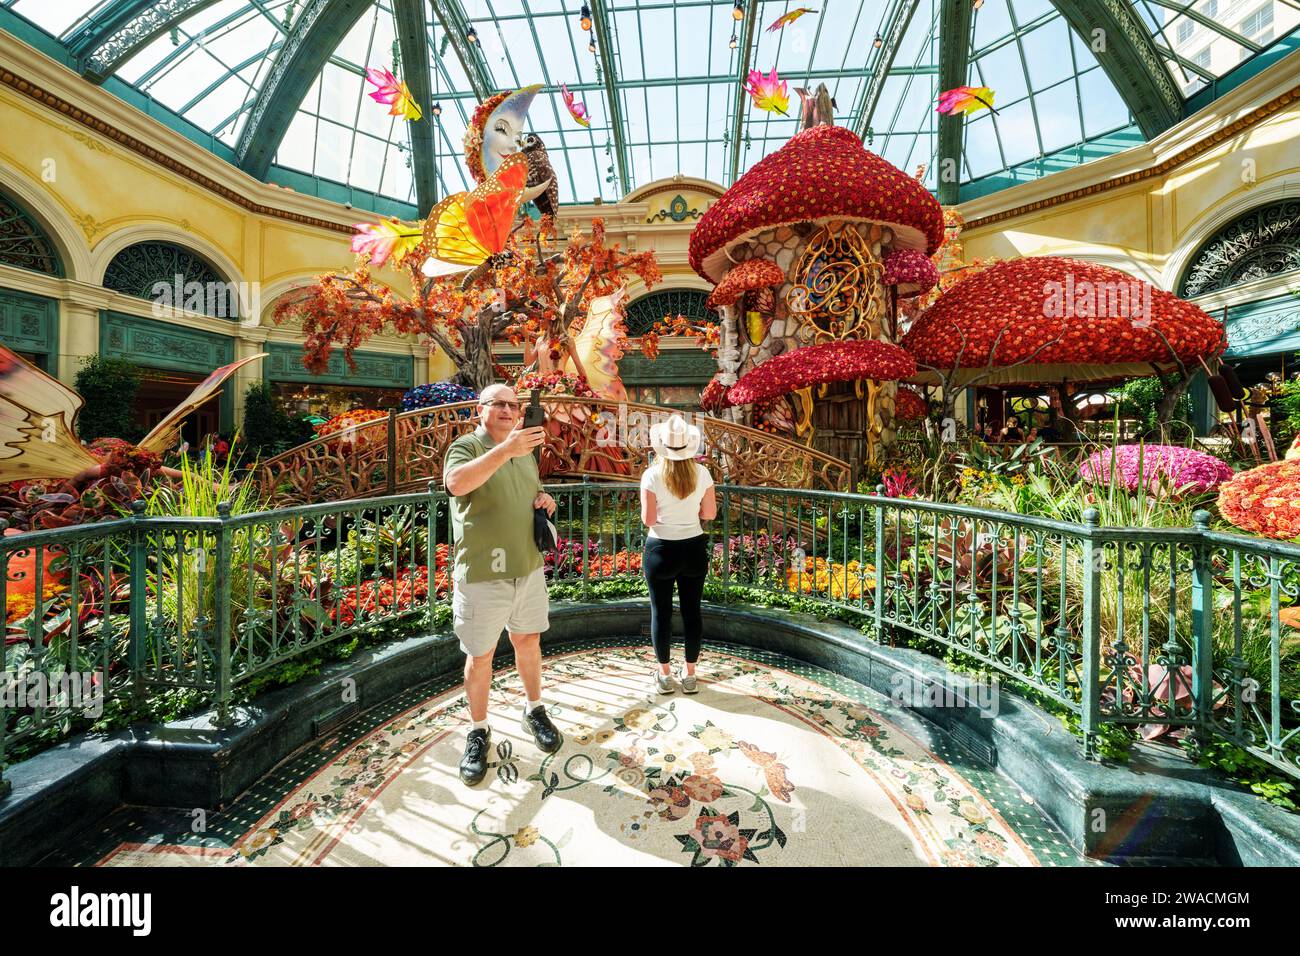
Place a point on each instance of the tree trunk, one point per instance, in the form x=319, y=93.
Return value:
x=1169, y=404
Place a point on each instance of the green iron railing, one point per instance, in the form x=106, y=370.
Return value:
x=1169, y=630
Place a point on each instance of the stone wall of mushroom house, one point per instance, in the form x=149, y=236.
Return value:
x=784, y=245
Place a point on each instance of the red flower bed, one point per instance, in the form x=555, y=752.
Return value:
x=746, y=277
x=830, y=362
x=1010, y=306
x=610, y=565
x=714, y=396
x=373, y=598
x=823, y=173
x=1264, y=500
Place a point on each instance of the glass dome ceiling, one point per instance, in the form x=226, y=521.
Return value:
x=280, y=83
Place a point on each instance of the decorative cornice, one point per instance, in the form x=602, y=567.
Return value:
x=1153, y=171
x=109, y=131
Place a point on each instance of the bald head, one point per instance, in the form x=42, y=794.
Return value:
x=498, y=419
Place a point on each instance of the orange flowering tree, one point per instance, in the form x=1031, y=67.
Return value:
x=534, y=289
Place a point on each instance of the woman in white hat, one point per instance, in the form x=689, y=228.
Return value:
x=676, y=495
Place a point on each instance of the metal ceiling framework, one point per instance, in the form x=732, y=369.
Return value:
x=316, y=33
x=1127, y=47
x=412, y=30
x=747, y=45
x=109, y=39
x=1124, y=48
x=882, y=65
x=956, y=23
x=455, y=26
x=609, y=74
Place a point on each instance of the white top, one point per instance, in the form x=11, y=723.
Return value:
x=678, y=518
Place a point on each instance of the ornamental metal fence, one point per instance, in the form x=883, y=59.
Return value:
x=1172, y=632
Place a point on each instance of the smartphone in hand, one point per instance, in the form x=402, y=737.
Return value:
x=534, y=414
x=534, y=417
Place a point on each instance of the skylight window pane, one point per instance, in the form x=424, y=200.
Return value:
x=981, y=149
x=1017, y=133
x=297, y=150
x=1058, y=116
x=992, y=22
x=1002, y=72
x=367, y=162
x=1046, y=53
x=333, y=150
x=54, y=18
x=1103, y=108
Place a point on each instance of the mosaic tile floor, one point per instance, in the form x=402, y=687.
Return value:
x=775, y=762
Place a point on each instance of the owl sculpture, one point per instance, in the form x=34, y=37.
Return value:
x=540, y=171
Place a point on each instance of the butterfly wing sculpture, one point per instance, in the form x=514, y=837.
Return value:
x=38, y=417
x=788, y=18
x=167, y=432
x=965, y=99
x=466, y=229
x=598, y=348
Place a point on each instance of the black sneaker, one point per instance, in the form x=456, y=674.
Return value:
x=474, y=765
x=544, y=732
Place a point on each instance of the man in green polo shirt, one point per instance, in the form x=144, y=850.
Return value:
x=497, y=576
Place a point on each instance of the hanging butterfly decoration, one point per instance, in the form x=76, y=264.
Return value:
x=788, y=18
x=965, y=99
x=770, y=93
x=468, y=229
x=393, y=93
x=577, y=110
x=38, y=417
x=385, y=239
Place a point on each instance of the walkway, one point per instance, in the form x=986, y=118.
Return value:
x=774, y=763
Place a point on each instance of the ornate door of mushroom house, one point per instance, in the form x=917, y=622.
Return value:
x=837, y=295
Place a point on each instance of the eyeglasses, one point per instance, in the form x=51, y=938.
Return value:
x=501, y=406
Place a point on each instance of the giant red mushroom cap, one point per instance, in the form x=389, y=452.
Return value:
x=1000, y=315
x=746, y=277
x=910, y=271
x=909, y=406
x=817, y=364
x=822, y=174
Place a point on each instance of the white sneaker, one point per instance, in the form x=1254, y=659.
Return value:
x=688, y=683
x=664, y=683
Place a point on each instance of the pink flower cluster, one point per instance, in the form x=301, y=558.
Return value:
x=910, y=271
x=1172, y=467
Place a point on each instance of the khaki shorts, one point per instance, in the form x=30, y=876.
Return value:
x=481, y=610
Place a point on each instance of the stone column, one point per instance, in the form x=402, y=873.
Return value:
x=78, y=329
x=251, y=340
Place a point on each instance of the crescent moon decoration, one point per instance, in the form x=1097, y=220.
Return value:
x=513, y=110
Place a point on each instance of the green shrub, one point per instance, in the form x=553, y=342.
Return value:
x=268, y=429
x=110, y=387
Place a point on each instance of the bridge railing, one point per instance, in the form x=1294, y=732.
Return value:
x=586, y=438
x=1169, y=631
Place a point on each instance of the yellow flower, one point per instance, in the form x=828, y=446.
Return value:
x=526, y=836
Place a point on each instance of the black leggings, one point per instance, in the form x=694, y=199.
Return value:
x=686, y=562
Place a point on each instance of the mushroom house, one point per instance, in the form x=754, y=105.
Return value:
x=799, y=250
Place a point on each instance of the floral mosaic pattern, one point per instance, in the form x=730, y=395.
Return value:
x=763, y=767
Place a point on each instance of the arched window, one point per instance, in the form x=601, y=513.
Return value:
x=1264, y=242
x=171, y=274
x=649, y=309
x=23, y=243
